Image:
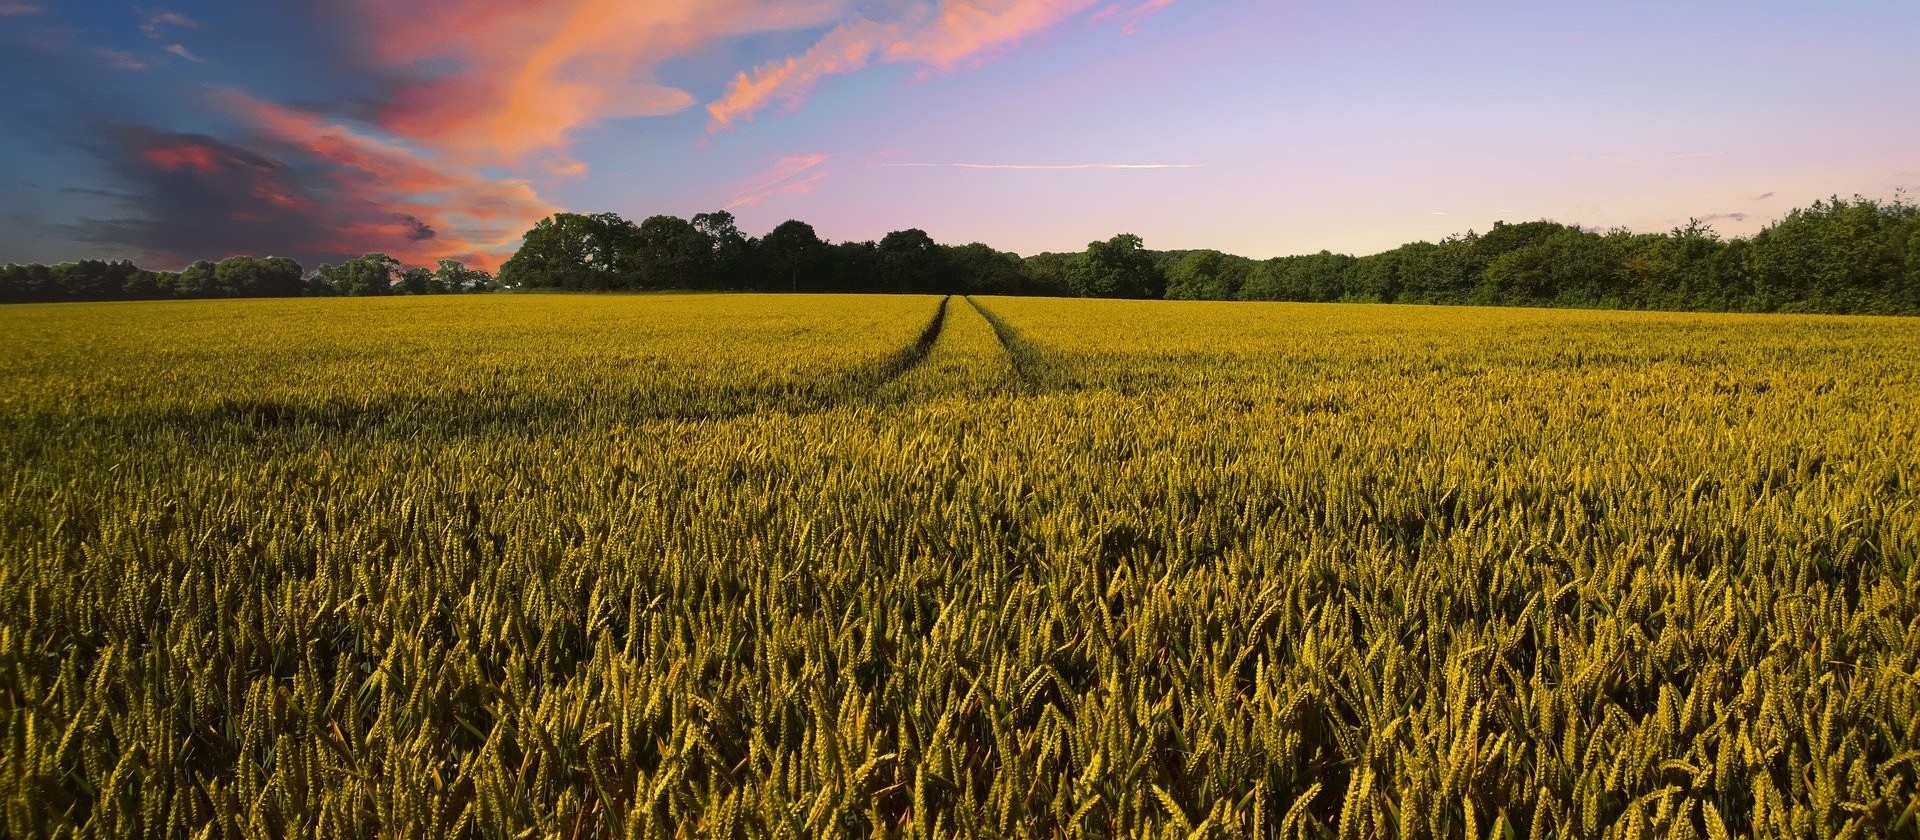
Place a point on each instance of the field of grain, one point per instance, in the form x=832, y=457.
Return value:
x=805, y=566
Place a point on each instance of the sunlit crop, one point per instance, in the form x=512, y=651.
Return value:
x=758, y=566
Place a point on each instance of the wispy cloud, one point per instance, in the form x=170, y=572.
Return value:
x=938, y=36
x=1133, y=15
x=117, y=60
x=181, y=51
x=1717, y=217
x=154, y=22
x=791, y=175
x=1693, y=155
x=1763, y=196
x=1044, y=167
x=848, y=48
x=9, y=8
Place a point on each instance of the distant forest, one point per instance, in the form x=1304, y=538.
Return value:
x=1840, y=256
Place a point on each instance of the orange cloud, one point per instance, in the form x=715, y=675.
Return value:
x=566, y=168
x=846, y=49
x=533, y=73
x=792, y=175
x=970, y=30
x=398, y=200
x=940, y=38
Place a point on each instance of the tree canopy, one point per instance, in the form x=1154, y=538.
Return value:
x=1837, y=255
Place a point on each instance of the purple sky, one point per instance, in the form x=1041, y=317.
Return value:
x=322, y=128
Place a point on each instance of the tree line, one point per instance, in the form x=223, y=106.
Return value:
x=1855, y=255
x=604, y=252
x=234, y=277
x=1837, y=256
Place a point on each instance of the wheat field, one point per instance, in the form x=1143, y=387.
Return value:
x=821, y=566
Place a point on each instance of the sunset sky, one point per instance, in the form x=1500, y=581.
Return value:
x=445, y=128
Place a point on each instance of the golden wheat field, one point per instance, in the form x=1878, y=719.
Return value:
x=810, y=566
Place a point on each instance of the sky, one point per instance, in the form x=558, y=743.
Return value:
x=322, y=129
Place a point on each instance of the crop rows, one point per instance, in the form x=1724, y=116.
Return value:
x=748, y=566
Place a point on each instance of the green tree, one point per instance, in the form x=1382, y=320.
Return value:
x=416, y=281
x=574, y=251
x=249, y=277
x=911, y=262
x=672, y=253
x=1049, y=274
x=793, y=254
x=1118, y=268
x=1836, y=256
x=194, y=281
x=369, y=275
x=1442, y=272
x=1382, y=277
x=1207, y=275
x=981, y=270
x=15, y=284
x=853, y=267
x=730, y=253
x=1565, y=267
x=454, y=277
x=141, y=284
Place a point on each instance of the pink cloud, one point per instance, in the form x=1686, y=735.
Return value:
x=791, y=175
x=1133, y=15
x=939, y=36
x=533, y=74
x=420, y=208
x=968, y=31
x=848, y=48
x=186, y=156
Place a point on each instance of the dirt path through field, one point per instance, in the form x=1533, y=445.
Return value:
x=966, y=360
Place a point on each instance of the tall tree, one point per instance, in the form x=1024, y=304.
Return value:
x=1050, y=274
x=794, y=254
x=574, y=251
x=981, y=270
x=455, y=277
x=250, y=277
x=369, y=275
x=1118, y=267
x=911, y=262
x=194, y=281
x=671, y=253
x=730, y=263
